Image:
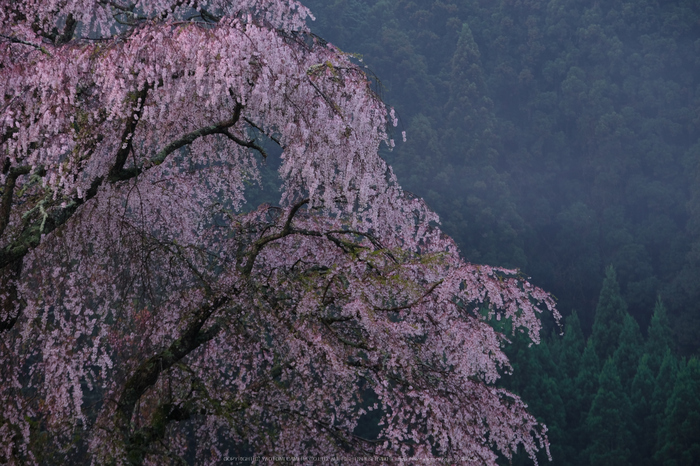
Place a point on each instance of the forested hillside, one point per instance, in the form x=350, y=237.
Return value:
x=559, y=137
x=616, y=397
x=562, y=137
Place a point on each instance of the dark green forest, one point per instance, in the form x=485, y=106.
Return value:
x=562, y=137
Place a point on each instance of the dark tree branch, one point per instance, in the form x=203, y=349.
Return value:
x=241, y=142
x=30, y=237
x=189, y=138
x=147, y=373
x=24, y=42
x=128, y=135
x=259, y=244
x=348, y=246
x=345, y=341
x=254, y=125
x=414, y=303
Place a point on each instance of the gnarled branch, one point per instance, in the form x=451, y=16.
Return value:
x=147, y=373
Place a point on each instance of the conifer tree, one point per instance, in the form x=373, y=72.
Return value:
x=468, y=106
x=627, y=354
x=608, y=421
x=652, y=385
x=609, y=315
x=679, y=437
x=534, y=379
x=645, y=425
x=663, y=388
x=659, y=337
x=567, y=352
x=586, y=386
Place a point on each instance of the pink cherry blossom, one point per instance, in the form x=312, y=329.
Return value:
x=148, y=313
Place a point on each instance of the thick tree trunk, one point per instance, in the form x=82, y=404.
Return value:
x=146, y=375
